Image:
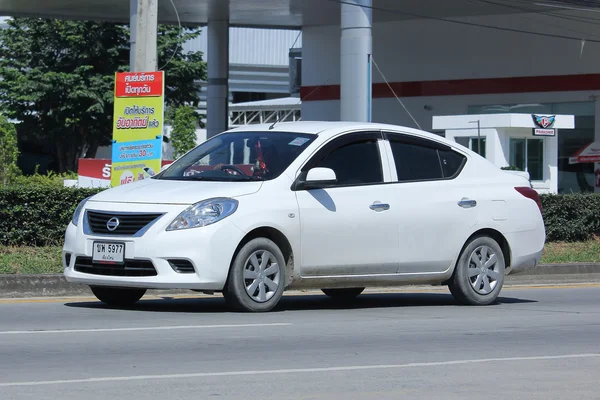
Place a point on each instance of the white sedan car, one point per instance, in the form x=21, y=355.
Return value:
x=336, y=206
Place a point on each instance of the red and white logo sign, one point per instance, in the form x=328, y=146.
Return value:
x=544, y=132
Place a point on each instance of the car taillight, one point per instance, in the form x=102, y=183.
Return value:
x=530, y=194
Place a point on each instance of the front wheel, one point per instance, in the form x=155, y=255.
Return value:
x=257, y=277
x=120, y=297
x=479, y=273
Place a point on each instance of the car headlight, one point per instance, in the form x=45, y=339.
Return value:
x=204, y=213
x=78, y=211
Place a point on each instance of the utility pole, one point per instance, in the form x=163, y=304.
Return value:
x=144, y=30
x=356, y=49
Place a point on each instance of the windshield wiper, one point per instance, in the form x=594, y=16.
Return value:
x=249, y=178
x=213, y=178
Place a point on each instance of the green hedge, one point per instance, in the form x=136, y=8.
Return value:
x=571, y=217
x=38, y=215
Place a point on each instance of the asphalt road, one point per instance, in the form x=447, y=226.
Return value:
x=538, y=343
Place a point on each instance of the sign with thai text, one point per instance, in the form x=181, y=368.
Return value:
x=137, y=126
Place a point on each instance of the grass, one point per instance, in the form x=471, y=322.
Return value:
x=30, y=260
x=47, y=260
x=559, y=253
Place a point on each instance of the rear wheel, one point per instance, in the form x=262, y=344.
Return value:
x=349, y=293
x=120, y=297
x=257, y=277
x=479, y=273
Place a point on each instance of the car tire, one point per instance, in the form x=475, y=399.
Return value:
x=348, y=293
x=479, y=274
x=257, y=277
x=120, y=297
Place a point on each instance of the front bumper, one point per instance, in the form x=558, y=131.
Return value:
x=209, y=249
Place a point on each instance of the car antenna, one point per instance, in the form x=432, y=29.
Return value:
x=305, y=97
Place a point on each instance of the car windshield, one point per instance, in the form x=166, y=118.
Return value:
x=239, y=156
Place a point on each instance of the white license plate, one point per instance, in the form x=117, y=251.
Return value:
x=108, y=253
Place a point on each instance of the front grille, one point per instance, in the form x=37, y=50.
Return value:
x=129, y=224
x=130, y=268
x=182, y=266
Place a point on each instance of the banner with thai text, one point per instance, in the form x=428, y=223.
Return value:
x=138, y=126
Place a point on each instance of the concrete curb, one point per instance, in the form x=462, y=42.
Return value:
x=553, y=269
x=21, y=286
x=56, y=285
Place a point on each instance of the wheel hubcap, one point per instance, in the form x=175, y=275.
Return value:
x=261, y=276
x=483, y=270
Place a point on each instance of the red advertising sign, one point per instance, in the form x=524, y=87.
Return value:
x=139, y=84
x=98, y=169
x=94, y=168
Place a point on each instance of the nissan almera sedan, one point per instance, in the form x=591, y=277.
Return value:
x=336, y=206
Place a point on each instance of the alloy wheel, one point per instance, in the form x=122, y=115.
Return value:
x=261, y=276
x=483, y=270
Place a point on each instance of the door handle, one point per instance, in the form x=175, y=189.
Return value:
x=379, y=207
x=467, y=203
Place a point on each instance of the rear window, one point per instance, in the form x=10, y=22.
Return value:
x=452, y=162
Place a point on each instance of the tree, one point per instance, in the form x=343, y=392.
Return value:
x=8, y=151
x=183, y=70
x=57, y=79
x=183, y=135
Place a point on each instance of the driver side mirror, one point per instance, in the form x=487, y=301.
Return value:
x=319, y=177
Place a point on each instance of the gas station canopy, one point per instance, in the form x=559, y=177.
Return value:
x=292, y=14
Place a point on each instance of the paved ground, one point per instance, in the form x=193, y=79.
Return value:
x=538, y=343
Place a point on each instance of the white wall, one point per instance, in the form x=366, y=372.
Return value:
x=423, y=50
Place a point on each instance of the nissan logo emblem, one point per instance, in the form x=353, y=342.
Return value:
x=112, y=224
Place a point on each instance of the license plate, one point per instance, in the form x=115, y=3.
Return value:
x=108, y=253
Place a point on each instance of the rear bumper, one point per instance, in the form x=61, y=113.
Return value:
x=524, y=263
x=526, y=250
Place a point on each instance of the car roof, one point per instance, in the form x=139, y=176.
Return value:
x=327, y=129
x=306, y=127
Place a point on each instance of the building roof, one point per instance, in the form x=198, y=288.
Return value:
x=285, y=14
x=508, y=120
x=287, y=103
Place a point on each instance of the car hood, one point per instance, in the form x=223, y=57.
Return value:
x=155, y=191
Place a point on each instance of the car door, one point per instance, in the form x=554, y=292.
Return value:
x=346, y=227
x=438, y=208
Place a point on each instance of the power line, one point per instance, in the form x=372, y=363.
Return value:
x=546, y=13
x=554, y=12
x=178, y=37
x=297, y=37
x=394, y=93
x=474, y=24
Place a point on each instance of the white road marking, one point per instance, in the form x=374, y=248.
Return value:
x=148, y=328
x=295, y=371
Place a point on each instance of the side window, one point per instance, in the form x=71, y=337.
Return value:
x=356, y=163
x=415, y=162
x=452, y=162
